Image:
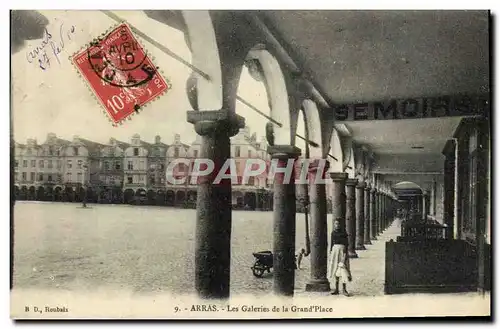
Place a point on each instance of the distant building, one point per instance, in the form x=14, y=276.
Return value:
x=135, y=172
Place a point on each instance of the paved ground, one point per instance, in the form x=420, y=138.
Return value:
x=368, y=270
x=150, y=249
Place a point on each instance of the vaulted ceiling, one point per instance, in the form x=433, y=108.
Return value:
x=363, y=56
x=355, y=56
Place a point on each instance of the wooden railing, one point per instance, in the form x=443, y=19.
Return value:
x=420, y=230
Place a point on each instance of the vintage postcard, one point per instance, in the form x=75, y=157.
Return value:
x=204, y=164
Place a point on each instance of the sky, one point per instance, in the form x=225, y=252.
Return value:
x=57, y=100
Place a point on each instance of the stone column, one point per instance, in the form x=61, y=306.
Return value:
x=425, y=206
x=319, y=230
x=373, y=213
x=380, y=212
x=360, y=216
x=351, y=216
x=390, y=209
x=213, y=208
x=449, y=188
x=339, y=197
x=284, y=221
x=367, y=234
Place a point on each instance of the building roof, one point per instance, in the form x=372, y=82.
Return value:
x=93, y=147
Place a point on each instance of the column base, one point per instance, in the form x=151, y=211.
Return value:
x=318, y=286
x=360, y=248
x=367, y=242
x=374, y=238
x=352, y=254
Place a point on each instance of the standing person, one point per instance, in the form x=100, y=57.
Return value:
x=339, y=267
x=299, y=257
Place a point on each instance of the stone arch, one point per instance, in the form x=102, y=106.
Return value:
x=180, y=197
x=205, y=56
x=170, y=198
x=277, y=94
x=336, y=165
x=237, y=199
x=151, y=196
x=313, y=128
x=359, y=162
x=128, y=196
x=49, y=194
x=24, y=193
x=68, y=194
x=250, y=200
x=191, y=197
x=160, y=197
x=58, y=193
x=407, y=185
x=349, y=160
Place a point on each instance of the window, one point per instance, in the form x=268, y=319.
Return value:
x=79, y=177
x=16, y=176
x=25, y=163
x=130, y=165
x=162, y=166
x=16, y=164
x=141, y=165
x=32, y=176
x=152, y=179
x=59, y=164
x=129, y=179
x=58, y=152
x=40, y=163
x=176, y=152
x=195, y=153
x=33, y=163
x=24, y=176
x=79, y=165
x=49, y=164
x=28, y=151
x=49, y=178
x=51, y=151
x=251, y=181
x=136, y=151
x=69, y=164
x=106, y=165
x=118, y=165
x=237, y=151
x=249, y=153
x=68, y=177
x=75, y=150
x=111, y=152
x=162, y=180
x=40, y=177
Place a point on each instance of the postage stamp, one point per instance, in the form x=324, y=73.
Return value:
x=120, y=73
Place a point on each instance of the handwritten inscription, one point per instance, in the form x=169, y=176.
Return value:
x=50, y=47
x=445, y=106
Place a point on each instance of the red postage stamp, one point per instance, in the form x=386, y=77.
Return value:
x=120, y=73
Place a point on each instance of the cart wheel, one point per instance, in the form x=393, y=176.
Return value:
x=258, y=269
x=258, y=272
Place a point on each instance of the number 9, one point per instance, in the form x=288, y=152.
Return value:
x=177, y=309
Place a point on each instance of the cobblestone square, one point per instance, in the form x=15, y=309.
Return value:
x=150, y=249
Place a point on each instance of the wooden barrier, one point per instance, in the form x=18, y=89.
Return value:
x=415, y=231
x=430, y=266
